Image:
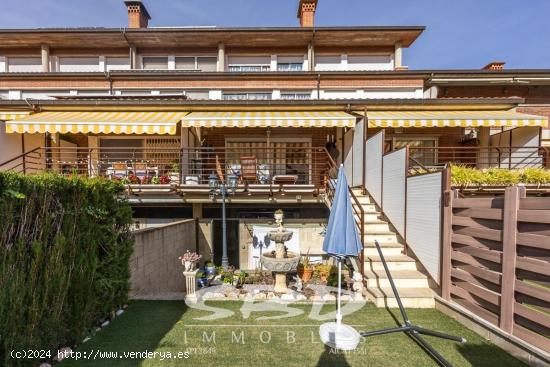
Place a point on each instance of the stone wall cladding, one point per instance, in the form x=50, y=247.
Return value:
x=155, y=268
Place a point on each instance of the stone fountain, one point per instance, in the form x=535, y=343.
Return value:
x=282, y=262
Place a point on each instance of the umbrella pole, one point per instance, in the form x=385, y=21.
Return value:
x=339, y=299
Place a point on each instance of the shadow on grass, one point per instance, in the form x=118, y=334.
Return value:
x=137, y=330
x=332, y=358
x=487, y=355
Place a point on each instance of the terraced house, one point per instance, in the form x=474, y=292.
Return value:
x=272, y=112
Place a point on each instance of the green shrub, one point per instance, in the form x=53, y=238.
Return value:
x=467, y=176
x=65, y=245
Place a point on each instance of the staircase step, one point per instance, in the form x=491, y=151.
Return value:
x=376, y=226
x=410, y=297
x=401, y=278
x=396, y=249
x=380, y=236
x=394, y=262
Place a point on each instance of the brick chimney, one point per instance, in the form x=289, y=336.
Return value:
x=138, y=16
x=495, y=65
x=306, y=12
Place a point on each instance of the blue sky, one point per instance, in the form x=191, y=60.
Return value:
x=459, y=34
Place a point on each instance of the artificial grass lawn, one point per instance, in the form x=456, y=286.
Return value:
x=169, y=326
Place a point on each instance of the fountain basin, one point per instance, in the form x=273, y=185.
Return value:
x=284, y=265
x=279, y=236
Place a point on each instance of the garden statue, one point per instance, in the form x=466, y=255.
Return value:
x=358, y=286
x=298, y=284
x=282, y=261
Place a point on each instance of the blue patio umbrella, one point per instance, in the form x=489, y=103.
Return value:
x=341, y=240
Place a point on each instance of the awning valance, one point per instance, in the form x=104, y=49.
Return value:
x=453, y=119
x=269, y=119
x=97, y=122
x=12, y=115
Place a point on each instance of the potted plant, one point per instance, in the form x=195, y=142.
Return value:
x=306, y=269
x=323, y=271
x=189, y=260
x=210, y=268
x=134, y=179
x=164, y=180
x=175, y=172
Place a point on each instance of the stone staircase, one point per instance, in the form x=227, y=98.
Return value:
x=410, y=279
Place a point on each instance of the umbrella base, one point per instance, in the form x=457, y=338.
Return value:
x=339, y=336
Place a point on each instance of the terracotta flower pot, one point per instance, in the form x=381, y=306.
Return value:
x=307, y=274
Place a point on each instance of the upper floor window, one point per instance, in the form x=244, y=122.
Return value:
x=328, y=62
x=24, y=64
x=370, y=62
x=202, y=63
x=117, y=63
x=249, y=63
x=197, y=94
x=78, y=64
x=290, y=63
x=295, y=95
x=288, y=66
x=155, y=62
x=247, y=95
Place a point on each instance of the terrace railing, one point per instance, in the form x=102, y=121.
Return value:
x=183, y=166
x=482, y=157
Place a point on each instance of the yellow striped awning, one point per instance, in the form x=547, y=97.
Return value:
x=12, y=115
x=97, y=122
x=269, y=119
x=453, y=119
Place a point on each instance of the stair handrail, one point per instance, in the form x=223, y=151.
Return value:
x=24, y=155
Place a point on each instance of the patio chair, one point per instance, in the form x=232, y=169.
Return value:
x=249, y=167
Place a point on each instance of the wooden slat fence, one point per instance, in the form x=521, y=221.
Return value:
x=496, y=261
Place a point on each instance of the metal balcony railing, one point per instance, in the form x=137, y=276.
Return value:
x=183, y=166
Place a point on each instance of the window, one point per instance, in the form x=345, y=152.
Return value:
x=249, y=63
x=117, y=63
x=24, y=64
x=134, y=92
x=370, y=62
x=79, y=64
x=295, y=95
x=289, y=66
x=421, y=148
x=248, y=68
x=290, y=63
x=197, y=94
x=202, y=63
x=332, y=62
x=245, y=95
x=155, y=63
x=207, y=63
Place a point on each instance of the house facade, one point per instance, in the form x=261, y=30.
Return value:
x=276, y=110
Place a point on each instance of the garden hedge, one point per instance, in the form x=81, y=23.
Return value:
x=65, y=245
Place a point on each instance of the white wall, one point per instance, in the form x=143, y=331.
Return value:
x=526, y=137
x=424, y=220
x=338, y=94
x=377, y=93
x=394, y=183
x=10, y=146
